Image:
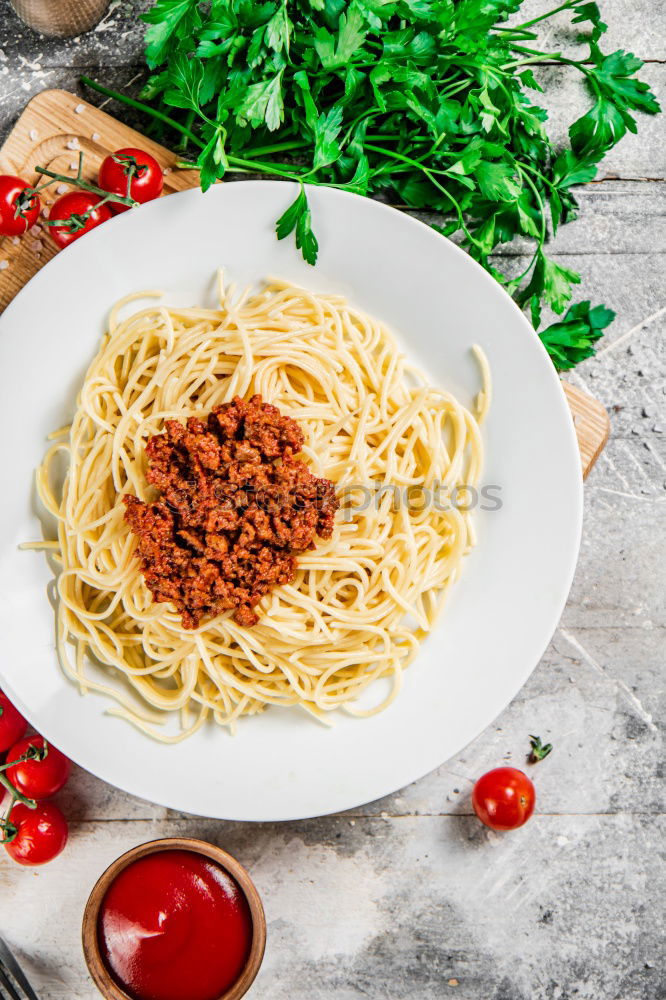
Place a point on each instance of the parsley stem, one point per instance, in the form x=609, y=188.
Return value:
x=537, y=173
x=545, y=57
x=517, y=31
x=454, y=88
x=394, y=155
x=544, y=17
x=410, y=161
x=189, y=121
x=539, y=200
x=140, y=106
x=264, y=168
x=278, y=147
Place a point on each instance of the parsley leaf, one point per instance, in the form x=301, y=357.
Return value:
x=263, y=103
x=616, y=77
x=164, y=19
x=212, y=160
x=327, y=130
x=572, y=339
x=185, y=77
x=298, y=217
x=497, y=181
x=278, y=30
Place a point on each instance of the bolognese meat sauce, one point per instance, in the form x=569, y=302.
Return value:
x=235, y=506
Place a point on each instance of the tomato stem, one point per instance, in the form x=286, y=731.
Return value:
x=538, y=750
x=32, y=753
x=16, y=795
x=8, y=830
x=77, y=221
x=79, y=182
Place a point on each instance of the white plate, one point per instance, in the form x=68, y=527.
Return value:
x=499, y=619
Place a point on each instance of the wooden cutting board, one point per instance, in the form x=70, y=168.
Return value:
x=57, y=125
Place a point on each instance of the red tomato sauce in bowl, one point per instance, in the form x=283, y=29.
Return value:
x=174, y=925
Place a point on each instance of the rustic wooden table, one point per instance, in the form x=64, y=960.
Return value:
x=410, y=898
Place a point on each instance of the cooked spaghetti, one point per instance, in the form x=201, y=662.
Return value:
x=360, y=603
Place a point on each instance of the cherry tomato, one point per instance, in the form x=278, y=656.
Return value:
x=38, y=779
x=135, y=168
x=17, y=214
x=41, y=833
x=12, y=724
x=73, y=206
x=504, y=799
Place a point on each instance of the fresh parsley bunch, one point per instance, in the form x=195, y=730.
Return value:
x=424, y=102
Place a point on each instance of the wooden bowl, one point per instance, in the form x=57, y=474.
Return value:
x=104, y=982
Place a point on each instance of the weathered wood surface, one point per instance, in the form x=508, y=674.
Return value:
x=408, y=898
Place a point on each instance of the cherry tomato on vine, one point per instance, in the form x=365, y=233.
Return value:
x=37, y=835
x=38, y=779
x=79, y=214
x=18, y=211
x=12, y=723
x=504, y=799
x=132, y=173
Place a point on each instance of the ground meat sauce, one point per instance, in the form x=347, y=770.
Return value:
x=235, y=506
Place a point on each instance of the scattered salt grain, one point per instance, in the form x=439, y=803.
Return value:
x=73, y=144
x=73, y=166
x=35, y=246
x=79, y=108
x=167, y=170
x=16, y=241
x=96, y=137
x=34, y=134
x=4, y=264
x=61, y=189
